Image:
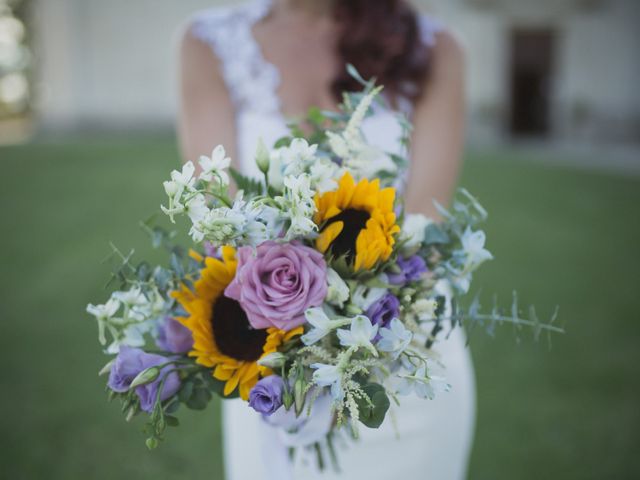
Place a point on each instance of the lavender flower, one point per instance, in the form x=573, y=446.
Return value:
x=174, y=337
x=411, y=269
x=266, y=396
x=129, y=363
x=384, y=310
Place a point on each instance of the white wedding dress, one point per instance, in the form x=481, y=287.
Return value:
x=422, y=439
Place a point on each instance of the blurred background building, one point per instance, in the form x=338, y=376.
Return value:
x=564, y=70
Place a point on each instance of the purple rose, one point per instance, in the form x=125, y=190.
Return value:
x=174, y=337
x=411, y=269
x=266, y=396
x=384, y=310
x=276, y=283
x=129, y=363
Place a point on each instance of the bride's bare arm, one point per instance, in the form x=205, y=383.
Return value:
x=206, y=112
x=438, y=136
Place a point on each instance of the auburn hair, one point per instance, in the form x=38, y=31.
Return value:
x=382, y=39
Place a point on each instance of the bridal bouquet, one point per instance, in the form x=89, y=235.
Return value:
x=311, y=294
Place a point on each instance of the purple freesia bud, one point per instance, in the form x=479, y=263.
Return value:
x=174, y=337
x=411, y=269
x=266, y=396
x=129, y=363
x=384, y=310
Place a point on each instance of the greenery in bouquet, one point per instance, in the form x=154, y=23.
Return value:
x=309, y=286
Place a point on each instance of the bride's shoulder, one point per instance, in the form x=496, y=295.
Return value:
x=444, y=44
x=217, y=24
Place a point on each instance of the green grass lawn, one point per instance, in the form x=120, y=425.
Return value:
x=559, y=237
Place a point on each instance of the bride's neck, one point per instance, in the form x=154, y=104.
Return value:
x=317, y=8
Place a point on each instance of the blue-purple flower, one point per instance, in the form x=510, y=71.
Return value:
x=384, y=310
x=411, y=269
x=129, y=363
x=174, y=337
x=266, y=396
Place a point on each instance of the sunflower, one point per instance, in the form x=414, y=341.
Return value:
x=223, y=340
x=358, y=221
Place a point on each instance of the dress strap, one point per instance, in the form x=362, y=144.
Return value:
x=252, y=82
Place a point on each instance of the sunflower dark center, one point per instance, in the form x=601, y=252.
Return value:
x=345, y=243
x=233, y=334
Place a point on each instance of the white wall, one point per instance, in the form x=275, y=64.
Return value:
x=113, y=62
x=109, y=61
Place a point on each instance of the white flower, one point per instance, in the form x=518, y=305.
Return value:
x=329, y=375
x=321, y=323
x=297, y=157
x=276, y=178
x=299, y=205
x=363, y=297
x=414, y=228
x=424, y=309
x=173, y=190
x=473, y=247
x=197, y=208
x=421, y=384
x=360, y=334
x=131, y=298
x=221, y=226
x=105, y=311
x=323, y=173
x=394, y=339
x=213, y=168
x=337, y=289
x=184, y=178
x=175, y=208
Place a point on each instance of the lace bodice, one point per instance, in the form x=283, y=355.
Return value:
x=253, y=82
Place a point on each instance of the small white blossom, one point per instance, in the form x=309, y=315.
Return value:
x=329, y=376
x=360, y=335
x=297, y=157
x=324, y=174
x=196, y=208
x=185, y=176
x=180, y=181
x=337, y=289
x=322, y=325
x=276, y=177
x=423, y=385
x=394, y=339
x=473, y=247
x=105, y=311
x=414, y=228
x=299, y=205
x=221, y=226
x=213, y=168
x=363, y=297
x=131, y=298
x=424, y=309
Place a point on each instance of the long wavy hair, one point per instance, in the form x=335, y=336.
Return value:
x=382, y=39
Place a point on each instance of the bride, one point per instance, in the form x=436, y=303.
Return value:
x=245, y=70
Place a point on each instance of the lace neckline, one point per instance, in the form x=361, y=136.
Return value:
x=253, y=82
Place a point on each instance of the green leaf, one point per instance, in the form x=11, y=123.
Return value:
x=433, y=234
x=250, y=186
x=199, y=399
x=372, y=415
x=171, y=421
x=185, y=392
